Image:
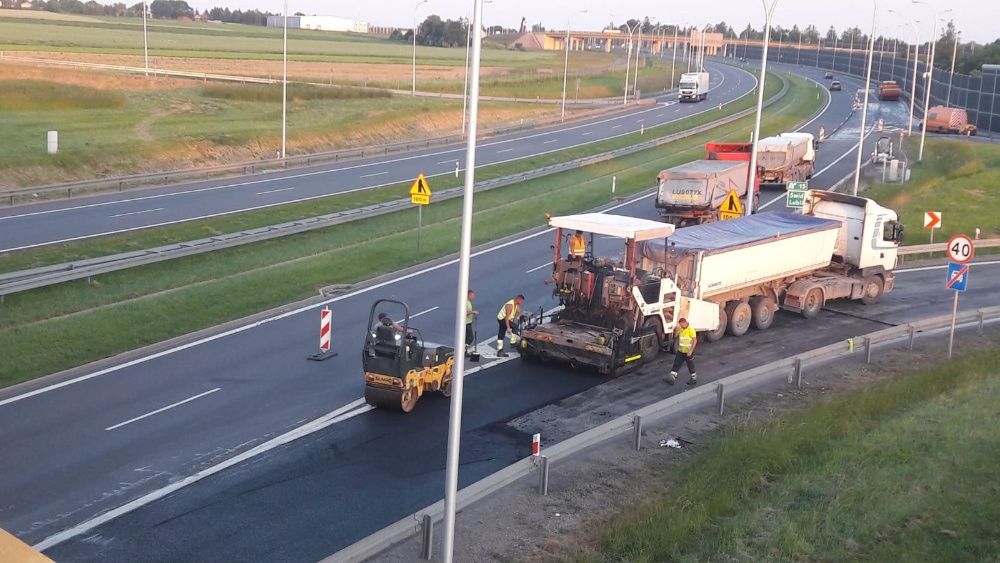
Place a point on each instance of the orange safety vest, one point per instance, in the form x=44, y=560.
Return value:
x=577, y=246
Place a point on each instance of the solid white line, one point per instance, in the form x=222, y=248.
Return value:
x=549, y=141
x=275, y=191
x=287, y=314
x=320, y=423
x=137, y=212
x=945, y=266
x=505, y=150
x=374, y=174
x=853, y=149
x=415, y=315
x=166, y=408
x=535, y=269
x=299, y=200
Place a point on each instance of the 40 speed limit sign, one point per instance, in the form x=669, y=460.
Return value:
x=960, y=249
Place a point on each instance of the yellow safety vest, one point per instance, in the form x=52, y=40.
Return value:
x=469, y=317
x=513, y=311
x=686, y=339
x=577, y=246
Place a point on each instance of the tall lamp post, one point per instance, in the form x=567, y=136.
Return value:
x=916, y=60
x=284, y=80
x=673, y=59
x=628, y=58
x=951, y=76
x=413, y=83
x=566, y=66
x=145, y=38
x=465, y=89
x=864, y=108
x=929, y=75
x=751, y=181
x=465, y=254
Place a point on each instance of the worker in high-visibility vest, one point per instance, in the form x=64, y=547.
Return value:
x=508, y=313
x=470, y=316
x=577, y=246
x=687, y=340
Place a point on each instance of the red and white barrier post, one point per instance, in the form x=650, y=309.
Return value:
x=325, y=336
x=536, y=444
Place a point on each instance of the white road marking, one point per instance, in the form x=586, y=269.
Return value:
x=415, y=315
x=373, y=174
x=659, y=115
x=587, y=133
x=549, y=141
x=945, y=266
x=166, y=408
x=535, y=269
x=274, y=191
x=640, y=120
x=448, y=162
x=616, y=126
x=290, y=313
x=343, y=413
x=137, y=212
x=505, y=150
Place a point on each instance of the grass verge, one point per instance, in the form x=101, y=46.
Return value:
x=902, y=470
x=956, y=178
x=150, y=238
x=62, y=326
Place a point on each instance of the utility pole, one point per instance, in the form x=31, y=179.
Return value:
x=951, y=76
x=145, y=38
x=864, y=108
x=284, y=81
x=751, y=181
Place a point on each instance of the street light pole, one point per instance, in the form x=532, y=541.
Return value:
x=465, y=254
x=916, y=61
x=413, y=83
x=566, y=68
x=284, y=81
x=638, y=50
x=145, y=38
x=465, y=89
x=864, y=108
x=752, y=180
x=833, y=65
x=628, y=58
x=930, y=77
x=673, y=59
x=951, y=76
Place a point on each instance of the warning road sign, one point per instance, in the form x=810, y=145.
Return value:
x=731, y=208
x=932, y=219
x=420, y=191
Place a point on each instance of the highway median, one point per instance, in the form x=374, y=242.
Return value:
x=161, y=301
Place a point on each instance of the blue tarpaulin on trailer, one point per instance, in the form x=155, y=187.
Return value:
x=727, y=235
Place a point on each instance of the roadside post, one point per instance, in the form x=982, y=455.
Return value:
x=960, y=252
x=932, y=220
x=795, y=197
x=420, y=195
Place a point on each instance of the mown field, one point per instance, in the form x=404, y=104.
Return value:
x=906, y=469
x=958, y=178
x=125, y=310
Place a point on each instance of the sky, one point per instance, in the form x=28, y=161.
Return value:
x=976, y=19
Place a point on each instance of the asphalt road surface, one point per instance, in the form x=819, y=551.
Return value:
x=81, y=449
x=65, y=220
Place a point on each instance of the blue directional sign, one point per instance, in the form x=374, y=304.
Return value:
x=958, y=276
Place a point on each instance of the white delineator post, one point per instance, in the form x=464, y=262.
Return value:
x=864, y=107
x=52, y=142
x=751, y=183
x=536, y=444
x=465, y=251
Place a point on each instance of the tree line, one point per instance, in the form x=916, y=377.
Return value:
x=160, y=9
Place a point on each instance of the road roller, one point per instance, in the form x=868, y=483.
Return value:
x=399, y=365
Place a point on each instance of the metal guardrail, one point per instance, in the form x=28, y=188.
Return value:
x=24, y=280
x=790, y=369
x=941, y=247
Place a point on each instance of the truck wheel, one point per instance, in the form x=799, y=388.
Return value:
x=812, y=303
x=872, y=290
x=762, y=310
x=717, y=334
x=649, y=347
x=739, y=317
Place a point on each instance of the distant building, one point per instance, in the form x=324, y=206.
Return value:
x=320, y=23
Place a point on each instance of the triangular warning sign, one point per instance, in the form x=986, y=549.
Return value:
x=420, y=186
x=732, y=204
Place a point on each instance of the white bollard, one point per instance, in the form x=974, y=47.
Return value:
x=614, y=180
x=53, y=142
x=456, y=169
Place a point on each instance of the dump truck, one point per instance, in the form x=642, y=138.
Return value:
x=839, y=247
x=399, y=365
x=787, y=157
x=942, y=119
x=693, y=87
x=722, y=277
x=613, y=317
x=693, y=193
x=889, y=90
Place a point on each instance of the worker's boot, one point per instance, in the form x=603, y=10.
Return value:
x=693, y=380
x=500, y=351
x=672, y=378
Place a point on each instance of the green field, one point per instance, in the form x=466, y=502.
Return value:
x=957, y=178
x=129, y=309
x=906, y=469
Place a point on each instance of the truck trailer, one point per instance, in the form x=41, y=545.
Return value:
x=722, y=276
x=693, y=87
x=787, y=157
x=693, y=193
x=841, y=246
